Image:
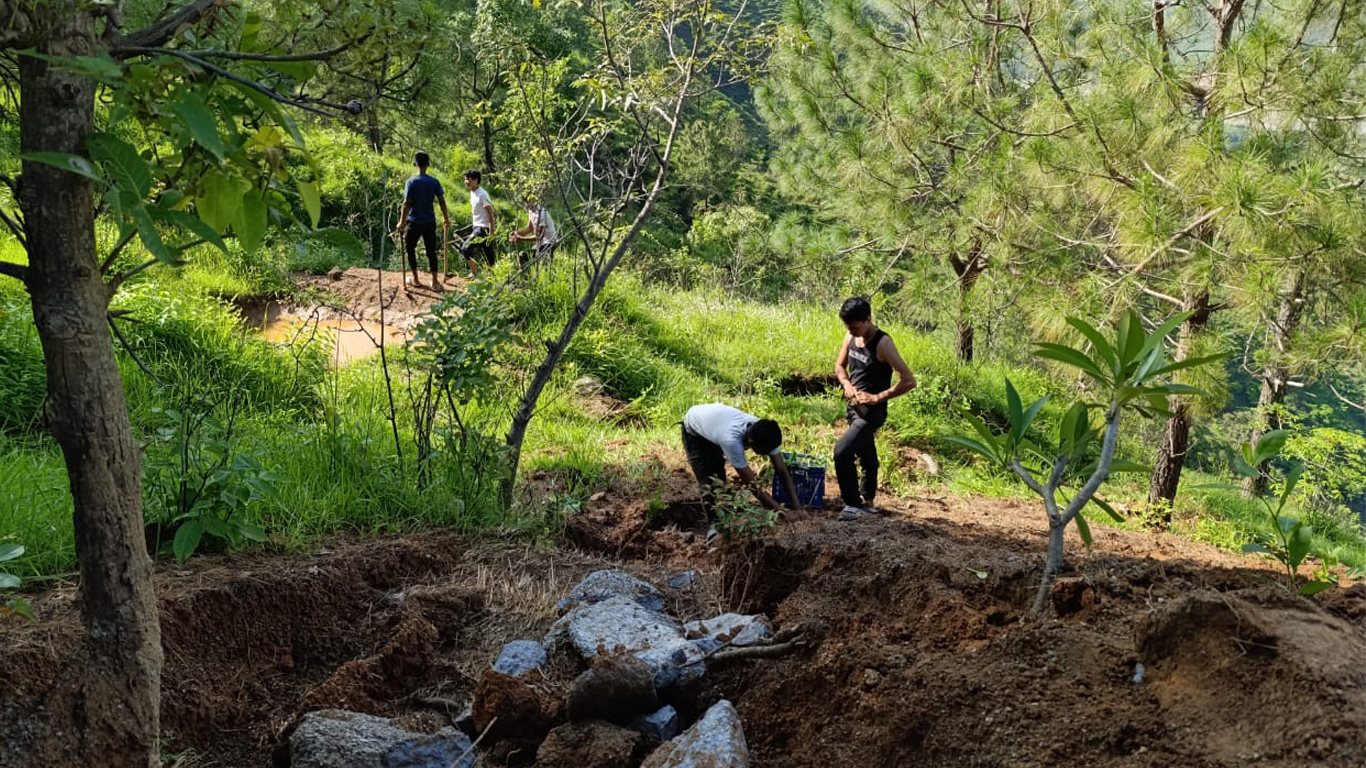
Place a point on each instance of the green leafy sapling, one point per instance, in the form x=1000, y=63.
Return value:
x=9, y=582
x=1126, y=374
x=1288, y=540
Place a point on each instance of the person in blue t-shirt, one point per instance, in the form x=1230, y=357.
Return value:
x=418, y=218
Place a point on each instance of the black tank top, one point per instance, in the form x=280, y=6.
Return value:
x=866, y=372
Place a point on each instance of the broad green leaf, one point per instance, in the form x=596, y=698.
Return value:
x=1084, y=530
x=308, y=190
x=974, y=446
x=1097, y=340
x=214, y=526
x=10, y=551
x=72, y=163
x=342, y=240
x=1072, y=357
x=1301, y=541
x=200, y=122
x=151, y=237
x=193, y=224
x=1269, y=446
x=1131, y=349
x=9, y=581
x=1253, y=546
x=250, y=225
x=220, y=201
x=251, y=29
x=1014, y=411
x=252, y=532
x=1314, y=587
x=1108, y=509
x=1292, y=478
x=1153, y=360
x=297, y=70
x=1189, y=362
x=124, y=167
x=1160, y=333
x=187, y=539
x=1031, y=413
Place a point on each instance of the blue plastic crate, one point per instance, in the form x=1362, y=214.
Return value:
x=808, y=475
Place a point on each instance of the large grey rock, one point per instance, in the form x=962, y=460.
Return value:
x=333, y=738
x=520, y=657
x=620, y=625
x=729, y=629
x=660, y=726
x=715, y=741
x=602, y=585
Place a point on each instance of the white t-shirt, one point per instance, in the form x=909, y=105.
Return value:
x=725, y=427
x=479, y=216
x=541, y=217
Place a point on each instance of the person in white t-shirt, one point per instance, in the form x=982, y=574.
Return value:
x=478, y=235
x=539, y=229
x=715, y=435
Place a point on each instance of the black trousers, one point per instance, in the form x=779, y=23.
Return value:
x=708, y=464
x=476, y=242
x=857, y=443
x=428, y=234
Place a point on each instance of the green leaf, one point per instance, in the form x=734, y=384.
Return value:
x=1160, y=333
x=214, y=526
x=199, y=120
x=195, y=225
x=1130, y=338
x=1072, y=357
x=252, y=532
x=1189, y=362
x=974, y=446
x=344, y=241
x=250, y=225
x=297, y=70
x=151, y=237
x=1084, y=530
x=1123, y=465
x=124, y=167
x=251, y=29
x=1314, y=587
x=187, y=539
x=1269, y=446
x=1032, y=412
x=67, y=162
x=10, y=551
x=1292, y=478
x=1108, y=509
x=1253, y=546
x=1014, y=411
x=9, y=581
x=308, y=190
x=1097, y=340
x=220, y=202
x=1301, y=541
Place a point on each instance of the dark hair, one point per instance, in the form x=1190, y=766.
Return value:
x=422, y=160
x=765, y=436
x=855, y=308
x=473, y=174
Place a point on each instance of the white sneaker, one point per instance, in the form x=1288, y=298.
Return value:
x=853, y=512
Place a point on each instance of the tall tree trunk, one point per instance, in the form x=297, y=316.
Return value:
x=486, y=125
x=1276, y=375
x=1171, y=456
x=374, y=134
x=103, y=708
x=968, y=270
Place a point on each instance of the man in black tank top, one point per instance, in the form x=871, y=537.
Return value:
x=864, y=368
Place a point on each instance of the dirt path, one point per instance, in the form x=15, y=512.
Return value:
x=923, y=659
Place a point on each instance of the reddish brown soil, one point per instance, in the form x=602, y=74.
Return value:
x=916, y=649
x=358, y=289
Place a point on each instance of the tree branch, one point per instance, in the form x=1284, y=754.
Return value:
x=17, y=271
x=14, y=227
x=304, y=104
x=167, y=27
x=134, y=50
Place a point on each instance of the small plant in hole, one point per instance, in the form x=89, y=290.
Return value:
x=12, y=606
x=737, y=516
x=1288, y=540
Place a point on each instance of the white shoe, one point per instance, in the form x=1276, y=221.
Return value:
x=852, y=512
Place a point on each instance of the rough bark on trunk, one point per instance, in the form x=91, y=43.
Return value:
x=968, y=270
x=103, y=709
x=1275, y=376
x=1171, y=456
